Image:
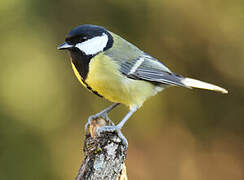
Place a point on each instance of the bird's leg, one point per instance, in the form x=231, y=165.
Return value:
x=103, y=114
x=118, y=127
x=127, y=116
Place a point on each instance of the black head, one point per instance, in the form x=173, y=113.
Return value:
x=89, y=39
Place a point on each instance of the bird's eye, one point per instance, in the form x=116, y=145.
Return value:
x=83, y=38
x=76, y=39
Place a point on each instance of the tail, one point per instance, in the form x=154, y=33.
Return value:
x=189, y=82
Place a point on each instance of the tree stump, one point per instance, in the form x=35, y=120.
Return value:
x=104, y=155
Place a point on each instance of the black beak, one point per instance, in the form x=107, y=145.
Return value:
x=64, y=46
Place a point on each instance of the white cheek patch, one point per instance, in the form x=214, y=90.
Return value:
x=94, y=45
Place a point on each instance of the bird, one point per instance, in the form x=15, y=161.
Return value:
x=115, y=69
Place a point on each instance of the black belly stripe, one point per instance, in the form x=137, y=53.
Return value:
x=81, y=63
x=90, y=89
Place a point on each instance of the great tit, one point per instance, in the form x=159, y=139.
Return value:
x=117, y=70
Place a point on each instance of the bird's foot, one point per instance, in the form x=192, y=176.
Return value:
x=112, y=129
x=101, y=115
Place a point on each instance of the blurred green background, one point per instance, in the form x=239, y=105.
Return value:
x=180, y=134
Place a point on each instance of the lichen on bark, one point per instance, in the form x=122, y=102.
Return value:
x=104, y=153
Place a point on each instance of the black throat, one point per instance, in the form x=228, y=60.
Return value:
x=81, y=62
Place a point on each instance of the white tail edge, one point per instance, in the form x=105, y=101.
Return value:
x=202, y=85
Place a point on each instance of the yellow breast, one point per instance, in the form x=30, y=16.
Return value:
x=105, y=78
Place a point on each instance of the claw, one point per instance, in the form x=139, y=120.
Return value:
x=102, y=115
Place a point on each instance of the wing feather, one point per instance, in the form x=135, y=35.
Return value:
x=150, y=72
x=127, y=56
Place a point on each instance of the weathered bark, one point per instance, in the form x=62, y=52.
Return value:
x=104, y=155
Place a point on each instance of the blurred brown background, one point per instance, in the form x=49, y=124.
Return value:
x=180, y=134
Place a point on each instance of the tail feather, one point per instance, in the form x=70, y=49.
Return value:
x=189, y=82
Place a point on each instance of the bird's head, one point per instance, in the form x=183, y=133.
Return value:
x=87, y=39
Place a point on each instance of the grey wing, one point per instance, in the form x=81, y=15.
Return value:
x=137, y=64
x=150, y=69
